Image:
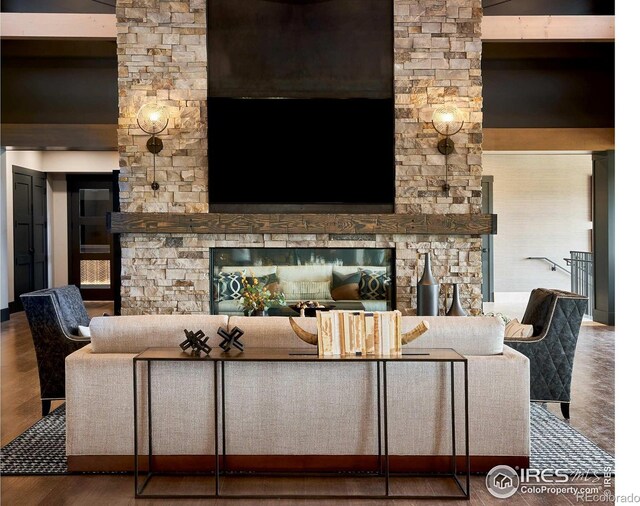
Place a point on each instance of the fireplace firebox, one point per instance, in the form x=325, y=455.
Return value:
x=340, y=278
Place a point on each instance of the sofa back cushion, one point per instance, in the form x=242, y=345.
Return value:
x=272, y=331
x=468, y=335
x=134, y=334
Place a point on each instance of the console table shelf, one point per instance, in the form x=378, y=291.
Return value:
x=218, y=358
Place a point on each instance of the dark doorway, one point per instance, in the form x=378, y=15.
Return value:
x=487, y=242
x=29, y=233
x=91, y=262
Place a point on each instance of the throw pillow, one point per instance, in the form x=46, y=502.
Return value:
x=271, y=283
x=517, y=330
x=345, y=286
x=84, y=331
x=373, y=285
x=227, y=286
x=305, y=290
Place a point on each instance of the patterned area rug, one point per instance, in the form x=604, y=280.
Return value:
x=38, y=450
x=554, y=445
x=557, y=445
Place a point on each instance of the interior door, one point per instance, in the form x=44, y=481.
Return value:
x=29, y=232
x=90, y=198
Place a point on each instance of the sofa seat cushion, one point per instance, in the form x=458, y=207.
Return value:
x=134, y=334
x=468, y=335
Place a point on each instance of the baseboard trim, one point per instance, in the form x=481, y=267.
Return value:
x=4, y=314
x=604, y=317
x=15, y=307
x=289, y=463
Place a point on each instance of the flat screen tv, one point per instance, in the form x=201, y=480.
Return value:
x=300, y=103
x=301, y=151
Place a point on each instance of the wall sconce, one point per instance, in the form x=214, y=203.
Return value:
x=153, y=119
x=447, y=120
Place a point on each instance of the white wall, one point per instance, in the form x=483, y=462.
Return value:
x=543, y=205
x=57, y=164
x=58, y=229
x=80, y=161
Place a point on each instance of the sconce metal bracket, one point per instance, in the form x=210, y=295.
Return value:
x=154, y=144
x=445, y=146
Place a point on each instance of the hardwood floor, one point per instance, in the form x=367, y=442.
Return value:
x=592, y=413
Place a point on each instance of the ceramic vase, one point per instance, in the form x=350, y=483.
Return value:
x=428, y=291
x=456, y=308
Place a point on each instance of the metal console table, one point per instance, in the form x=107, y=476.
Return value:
x=217, y=358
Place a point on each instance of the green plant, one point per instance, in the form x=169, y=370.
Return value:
x=500, y=315
x=257, y=297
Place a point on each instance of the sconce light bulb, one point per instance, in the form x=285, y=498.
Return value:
x=447, y=119
x=153, y=118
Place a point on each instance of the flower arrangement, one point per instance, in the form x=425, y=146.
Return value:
x=256, y=297
x=504, y=318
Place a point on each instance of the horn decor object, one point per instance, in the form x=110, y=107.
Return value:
x=307, y=337
x=428, y=291
x=359, y=333
x=415, y=332
x=456, y=308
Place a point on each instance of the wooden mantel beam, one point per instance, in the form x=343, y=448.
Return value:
x=222, y=223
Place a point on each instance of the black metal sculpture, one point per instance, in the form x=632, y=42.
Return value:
x=231, y=338
x=197, y=341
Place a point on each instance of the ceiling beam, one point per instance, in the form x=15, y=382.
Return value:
x=24, y=25
x=548, y=28
x=82, y=137
x=548, y=139
x=27, y=25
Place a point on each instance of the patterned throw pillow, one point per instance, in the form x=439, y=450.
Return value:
x=305, y=290
x=227, y=286
x=345, y=286
x=374, y=285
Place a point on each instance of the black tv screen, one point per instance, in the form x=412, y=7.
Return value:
x=301, y=151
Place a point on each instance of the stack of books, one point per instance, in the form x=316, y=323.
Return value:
x=342, y=333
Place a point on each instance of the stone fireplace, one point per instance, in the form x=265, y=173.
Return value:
x=166, y=236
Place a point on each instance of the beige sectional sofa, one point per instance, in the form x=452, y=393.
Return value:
x=292, y=412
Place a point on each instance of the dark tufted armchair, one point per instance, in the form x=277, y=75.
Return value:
x=54, y=315
x=556, y=317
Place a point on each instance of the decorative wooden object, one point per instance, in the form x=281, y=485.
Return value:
x=359, y=333
x=222, y=223
x=197, y=341
x=231, y=338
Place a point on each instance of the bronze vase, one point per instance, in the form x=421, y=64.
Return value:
x=456, y=308
x=428, y=291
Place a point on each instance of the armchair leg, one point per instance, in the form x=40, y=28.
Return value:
x=564, y=407
x=46, y=407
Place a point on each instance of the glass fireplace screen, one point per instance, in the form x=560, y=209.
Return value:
x=334, y=278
